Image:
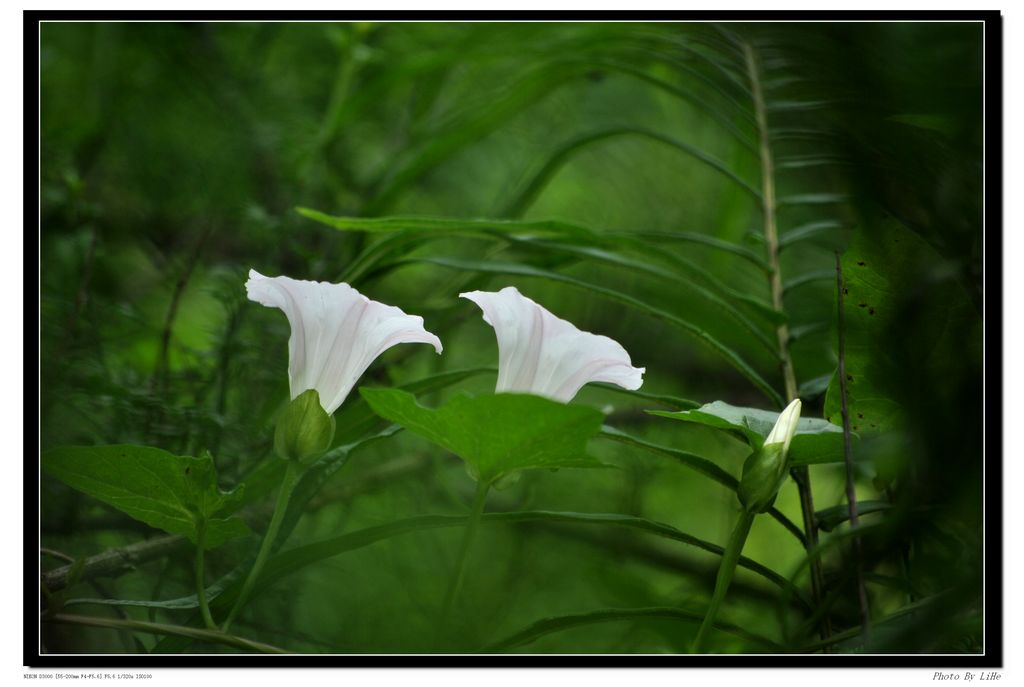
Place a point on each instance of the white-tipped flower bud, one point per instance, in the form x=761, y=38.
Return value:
x=785, y=426
x=765, y=470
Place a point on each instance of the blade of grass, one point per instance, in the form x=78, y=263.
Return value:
x=614, y=259
x=403, y=231
x=808, y=231
x=546, y=626
x=288, y=562
x=812, y=199
x=471, y=126
x=701, y=465
x=524, y=198
x=810, y=277
x=703, y=239
x=213, y=636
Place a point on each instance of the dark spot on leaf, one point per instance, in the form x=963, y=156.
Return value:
x=188, y=469
x=862, y=305
x=871, y=311
x=846, y=292
x=861, y=263
x=860, y=415
x=855, y=428
x=849, y=378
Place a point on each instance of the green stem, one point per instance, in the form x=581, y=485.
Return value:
x=800, y=474
x=726, y=570
x=291, y=478
x=204, y=607
x=855, y=631
x=214, y=636
x=562, y=623
x=469, y=534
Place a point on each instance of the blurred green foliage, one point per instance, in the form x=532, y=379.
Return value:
x=174, y=157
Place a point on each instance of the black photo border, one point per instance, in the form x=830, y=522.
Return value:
x=992, y=317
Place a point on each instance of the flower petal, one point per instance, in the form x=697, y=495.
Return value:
x=785, y=426
x=542, y=354
x=336, y=332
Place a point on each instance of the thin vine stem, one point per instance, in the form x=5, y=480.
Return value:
x=214, y=636
x=469, y=534
x=291, y=478
x=769, y=205
x=562, y=623
x=851, y=492
x=204, y=607
x=726, y=570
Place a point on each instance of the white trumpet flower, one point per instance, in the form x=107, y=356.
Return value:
x=336, y=332
x=541, y=354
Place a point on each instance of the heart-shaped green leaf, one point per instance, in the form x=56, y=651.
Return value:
x=172, y=493
x=816, y=441
x=497, y=434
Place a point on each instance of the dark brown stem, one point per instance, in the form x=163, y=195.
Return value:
x=851, y=492
x=117, y=561
x=802, y=478
x=160, y=369
x=904, y=555
x=114, y=562
x=56, y=554
x=82, y=295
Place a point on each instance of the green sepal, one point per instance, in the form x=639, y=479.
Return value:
x=506, y=481
x=304, y=431
x=764, y=472
x=510, y=479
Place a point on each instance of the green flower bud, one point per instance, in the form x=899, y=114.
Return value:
x=764, y=473
x=304, y=430
x=765, y=470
